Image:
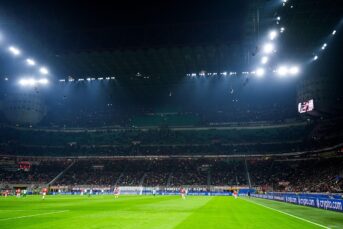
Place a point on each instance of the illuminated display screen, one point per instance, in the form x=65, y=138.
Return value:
x=306, y=106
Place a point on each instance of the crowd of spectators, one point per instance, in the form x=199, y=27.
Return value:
x=163, y=136
x=311, y=175
x=305, y=175
x=38, y=173
x=189, y=141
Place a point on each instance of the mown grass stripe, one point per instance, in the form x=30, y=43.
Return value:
x=285, y=213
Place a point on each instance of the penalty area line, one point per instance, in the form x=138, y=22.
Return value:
x=285, y=213
x=28, y=216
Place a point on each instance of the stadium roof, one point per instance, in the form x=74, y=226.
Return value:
x=163, y=40
x=153, y=63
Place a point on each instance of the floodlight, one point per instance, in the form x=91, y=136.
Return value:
x=315, y=57
x=324, y=46
x=334, y=32
x=14, y=50
x=43, y=70
x=22, y=82
x=282, y=71
x=268, y=48
x=30, y=62
x=282, y=29
x=43, y=81
x=260, y=72
x=264, y=60
x=294, y=70
x=272, y=35
x=278, y=18
x=27, y=82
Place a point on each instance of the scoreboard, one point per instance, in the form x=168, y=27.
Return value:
x=306, y=106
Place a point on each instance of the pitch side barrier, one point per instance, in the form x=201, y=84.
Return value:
x=311, y=200
x=142, y=190
x=161, y=193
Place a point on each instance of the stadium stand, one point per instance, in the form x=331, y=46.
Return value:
x=300, y=175
x=258, y=138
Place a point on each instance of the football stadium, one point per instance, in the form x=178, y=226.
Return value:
x=171, y=114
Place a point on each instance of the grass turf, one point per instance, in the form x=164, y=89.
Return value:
x=158, y=212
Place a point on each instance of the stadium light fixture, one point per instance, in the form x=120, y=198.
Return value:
x=324, y=46
x=30, y=62
x=15, y=51
x=272, y=35
x=282, y=29
x=282, y=71
x=315, y=57
x=43, y=70
x=260, y=72
x=294, y=70
x=278, y=18
x=334, y=32
x=27, y=82
x=43, y=81
x=268, y=48
x=32, y=82
x=264, y=60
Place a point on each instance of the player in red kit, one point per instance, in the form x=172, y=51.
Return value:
x=44, y=192
x=116, y=192
x=183, y=193
x=235, y=194
x=17, y=192
x=6, y=193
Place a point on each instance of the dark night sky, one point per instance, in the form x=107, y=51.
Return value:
x=82, y=14
x=46, y=20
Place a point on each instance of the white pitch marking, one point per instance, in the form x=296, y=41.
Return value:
x=28, y=216
x=297, y=217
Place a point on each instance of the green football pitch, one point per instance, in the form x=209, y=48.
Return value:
x=159, y=212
